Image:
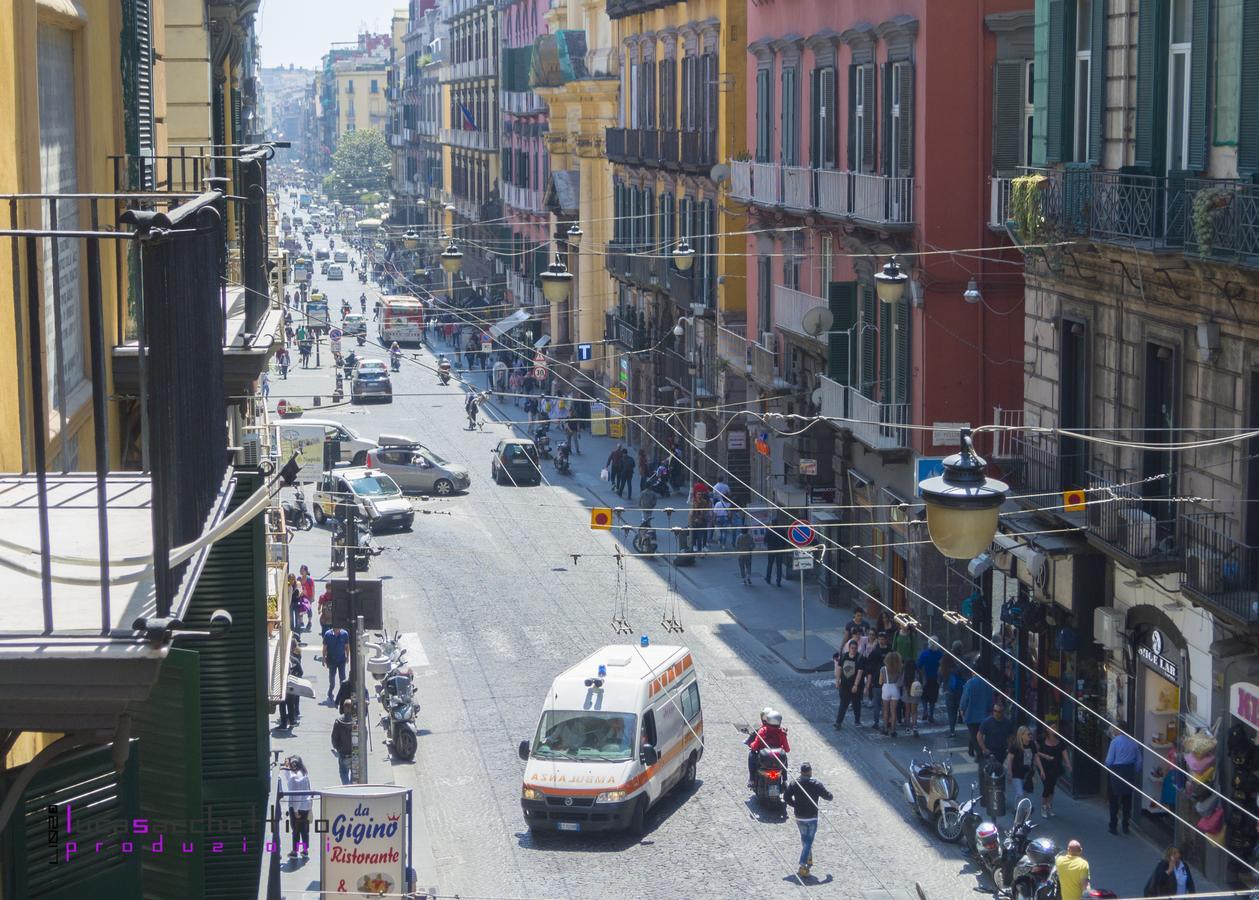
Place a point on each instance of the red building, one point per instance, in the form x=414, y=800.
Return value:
x=880, y=128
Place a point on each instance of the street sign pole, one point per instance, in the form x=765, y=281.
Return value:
x=356, y=620
x=804, y=634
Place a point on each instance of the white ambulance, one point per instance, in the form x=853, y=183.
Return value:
x=617, y=732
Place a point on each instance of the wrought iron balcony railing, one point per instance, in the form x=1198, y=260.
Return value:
x=1222, y=220
x=883, y=200
x=623, y=327
x=1140, y=531
x=669, y=149
x=698, y=151
x=1219, y=569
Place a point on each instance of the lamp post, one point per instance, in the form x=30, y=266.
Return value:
x=452, y=262
x=689, y=330
x=963, y=504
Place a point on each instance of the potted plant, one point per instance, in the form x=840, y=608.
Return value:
x=1208, y=205
x=742, y=156
x=1026, y=214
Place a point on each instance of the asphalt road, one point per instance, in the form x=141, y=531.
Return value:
x=487, y=581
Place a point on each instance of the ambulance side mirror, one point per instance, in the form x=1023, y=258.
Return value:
x=523, y=750
x=649, y=755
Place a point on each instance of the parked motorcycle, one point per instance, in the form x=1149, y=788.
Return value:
x=645, y=536
x=296, y=515
x=971, y=814
x=931, y=791
x=1031, y=877
x=998, y=853
x=403, y=739
x=366, y=546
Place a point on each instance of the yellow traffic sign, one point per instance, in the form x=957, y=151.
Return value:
x=1073, y=501
x=601, y=518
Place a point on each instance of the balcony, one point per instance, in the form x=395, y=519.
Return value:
x=457, y=8
x=880, y=200
x=484, y=67
x=789, y=309
x=1219, y=569
x=766, y=185
x=698, y=151
x=741, y=179
x=649, y=148
x=1142, y=211
x=523, y=290
x=619, y=9
x=797, y=190
x=648, y=269
x=1229, y=231
x=732, y=347
x=880, y=426
x=764, y=365
x=522, y=198
x=622, y=327
x=521, y=103
x=998, y=203
x=669, y=145
x=471, y=140
x=616, y=259
x=1139, y=532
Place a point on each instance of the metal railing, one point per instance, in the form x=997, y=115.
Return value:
x=764, y=364
x=528, y=199
x=1144, y=209
x=456, y=8
x=766, y=184
x=1040, y=469
x=880, y=426
x=614, y=144
x=621, y=326
x=834, y=193
x=998, y=202
x=877, y=199
x=482, y=67
x=797, y=192
x=669, y=149
x=1140, y=528
x=521, y=103
x=649, y=147
x=790, y=307
x=1219, y=568
x=1228, y=227
x=698, y=153
x=471, y=140
x=732, y=346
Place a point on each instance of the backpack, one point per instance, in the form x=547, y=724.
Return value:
x=915, y=689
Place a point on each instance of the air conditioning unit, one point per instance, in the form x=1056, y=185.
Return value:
x=769, y=341
x=250, y=453
x=1108, y=627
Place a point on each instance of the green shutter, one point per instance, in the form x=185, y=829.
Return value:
x=869, y=154
x=1060, y=72
x=168, y=727
x=853, y=162
x=903, y=364
x=788, y=76
x=885, y=114
x=905, y=148
x=136, y=60
x=828, y=125
x=1150, y=107
x=887, y=318
x=869, y=335
x=1097, y=82
x=842, y=299
x=815, y=113
x=1248, y=120
x=1007, y=114
x=762, y=115
x=1199, y=67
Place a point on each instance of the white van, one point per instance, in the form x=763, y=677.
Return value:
x=306, y=438
x=618, y=730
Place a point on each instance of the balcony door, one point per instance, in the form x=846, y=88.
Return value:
x=1073, y=404
x=1159, y=420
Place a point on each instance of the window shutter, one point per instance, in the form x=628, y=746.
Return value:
x=905, y=150
x=1199, y=73
x=1248, y=119
x=869, y=333
x=1055, y=129
x=842, y=298
x=788, y=126
x=869, y=152
x=815, y=118
x=885, y=113
x=853, y=162
x=711, y=100
x=663, y=80
x=1148, y=136
x=137, y=77
x=1008, y=92
x=1097, y=82
x=829, y=124
x=763, y=127
x=901, y=387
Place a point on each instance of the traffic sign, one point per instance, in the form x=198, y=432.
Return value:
x=801, y=559
x=335, y=334
x=282, y=408
x=1073, y=500
x=584, y=352
x=539, y=372
x=601, y=518
x=800, y=533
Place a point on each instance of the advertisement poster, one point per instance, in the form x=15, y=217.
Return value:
x=616, y=427
x=366, y=849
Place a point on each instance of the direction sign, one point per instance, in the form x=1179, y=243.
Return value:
x=800, y=533
x=585, y=352
x=801, y=559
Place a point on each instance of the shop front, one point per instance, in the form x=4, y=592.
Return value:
x=1238, y=664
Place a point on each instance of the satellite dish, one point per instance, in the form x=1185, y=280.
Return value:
x=719, y=172
x=816, y=397
x=817, y=320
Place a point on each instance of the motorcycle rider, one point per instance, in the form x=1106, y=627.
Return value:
x=770, y=736
x=562, y=452
x=803, y=796
x=395, y=356
x=443, y=370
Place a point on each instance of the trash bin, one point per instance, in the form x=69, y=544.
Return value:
x=992, y=788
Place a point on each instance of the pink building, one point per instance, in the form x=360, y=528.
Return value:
x=871, y=127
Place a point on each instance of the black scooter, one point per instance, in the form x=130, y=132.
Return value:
x=563, y=464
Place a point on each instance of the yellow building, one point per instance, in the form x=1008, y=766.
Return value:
x=361, y=95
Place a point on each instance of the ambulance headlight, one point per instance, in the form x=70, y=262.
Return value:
x=528, y=793
x=611, y=797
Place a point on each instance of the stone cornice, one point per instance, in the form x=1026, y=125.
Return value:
x=763, y=50
x=790, y=47
x=1004, y=23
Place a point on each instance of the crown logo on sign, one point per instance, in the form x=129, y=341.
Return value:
x=393, y=818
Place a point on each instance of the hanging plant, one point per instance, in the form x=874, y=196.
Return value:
x=742, y=156
x=1208, y=204
x=1025, y=205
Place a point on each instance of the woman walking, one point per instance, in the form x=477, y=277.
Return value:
x=1053, y=762
x=297, y=779
x=1171, y=877
x=1022, y=764
x=911, y=695
x=890, y=685
x=295, y=605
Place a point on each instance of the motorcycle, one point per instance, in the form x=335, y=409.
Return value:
x=443, y=372
x=295, y=513
x=403, y=740
x=645, y=537
x=362, y=276
x=1031, y=877
x=971, y=814
x=349, y=363
x=769, y=780
x=931, y=791
x=361, y=338
x=562, y=463
x=364, y=551
x=998, y=854
x=395, y=360
x=543, y=442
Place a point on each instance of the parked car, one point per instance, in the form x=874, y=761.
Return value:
x=376, y=495
x=371, y=380
x=417, y=468
x=515, y=460
x=335, y=272
x=340, y=256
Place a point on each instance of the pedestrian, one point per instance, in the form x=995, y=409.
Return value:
x=500, y=376
x=803, y=796
x=911, y=696
x=905, y=642
x=722, y=488
x=951, y=683
x=776, y=542
x=627, y=474
x=290, y=706
x=721, y=518
x=531, y=408
x=1053, y=762
x=857, y=626
x=994, y=735
x=929, y=664
x=297, y=785
x=877, y=651
x=325, y=608
x=1022, y=764
x=644, y=470
x=574, y=437
x=849, y=680
x=1123, y=761
x=336, y=643
x=1073, y=872
x=308, y=594
x=265, y=381
x=472, y=412
x=343, y=739
x=1171, y=877
x=890, y=684
x=743, y=543
x=974, y=705
x=613, y=468
x=696, y=528
x=282, y=359
x=295, y=605
x=885, y=625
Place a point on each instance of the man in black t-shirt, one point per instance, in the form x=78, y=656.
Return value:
x=874, y=662
x=857, y=626
x=849, y=679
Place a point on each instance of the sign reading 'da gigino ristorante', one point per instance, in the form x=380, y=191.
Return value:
x=367, y=846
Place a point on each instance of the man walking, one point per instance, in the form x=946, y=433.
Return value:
x=1123, y=761
x=744, y=544
x=613, y=466
x=1073, y=872
x=336, y=643
x=802, y=796
x=849, y=680
x=343, y=739
x=994, y=734
x=777, y=543
x=974, y=706
x=625, y=471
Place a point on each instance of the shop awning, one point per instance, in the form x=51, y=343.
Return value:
x=501, y=327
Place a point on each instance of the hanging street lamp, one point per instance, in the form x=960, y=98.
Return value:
x=557, y=282
x=683, y=256
x=963, y=503
x=452, y=258
x=890, y=283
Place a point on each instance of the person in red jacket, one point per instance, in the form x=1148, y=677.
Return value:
x=770, y=736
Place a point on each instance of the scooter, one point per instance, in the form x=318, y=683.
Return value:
x=349, y=363
x=769, y=780
x=395, y=360
x=403, y=740
x=362, y=340
x=295, y=514
x=562, y=463
x=543, y=442
x=998, y=854
x=931, y=791
x=971, y=814
x=443, y=372
x=645, y=537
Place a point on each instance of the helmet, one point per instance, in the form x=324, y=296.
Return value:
x=1042, y=850
x=773, y=717
x=766, y=713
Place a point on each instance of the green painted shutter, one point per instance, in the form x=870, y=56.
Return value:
x=870, y=151
x=1059, y=87
x=887, y=317
x=853, y=162
x=842, y=298
x=903, y=365
x=1097, y=82
x=136, y=58
x=869, y=335
x=168, y=727
x=1199, y=95
x=1149, y=111
x=1248, y=119
x=787, y=125
x=762, y=115
x=905, y=134
x=828, y=126
x=1007, y=114
x=885, y=114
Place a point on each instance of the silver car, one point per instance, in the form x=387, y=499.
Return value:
x=417, y=468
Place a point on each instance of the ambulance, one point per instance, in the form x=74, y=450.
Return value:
x=618, y=731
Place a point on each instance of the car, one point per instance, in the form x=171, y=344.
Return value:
x=371, y=379
x=340, y=256
x=417, y=468
x=354, y=324
x=335, y=272
x=322, y=253
x=515, y=460
x=376, y=495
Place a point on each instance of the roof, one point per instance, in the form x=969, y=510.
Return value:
x=564, y=191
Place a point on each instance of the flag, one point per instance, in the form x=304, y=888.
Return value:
x=469, y=123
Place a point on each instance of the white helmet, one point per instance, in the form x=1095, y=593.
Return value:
x=766, y=713
x=773, y=717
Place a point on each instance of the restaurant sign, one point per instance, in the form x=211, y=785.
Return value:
x=366, y=850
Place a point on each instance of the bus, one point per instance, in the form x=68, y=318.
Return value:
x=401, y=320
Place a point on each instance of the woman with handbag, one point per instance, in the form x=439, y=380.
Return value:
x=911, y=695
x=1022, y=764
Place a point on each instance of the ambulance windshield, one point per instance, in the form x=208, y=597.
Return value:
x=585, y=734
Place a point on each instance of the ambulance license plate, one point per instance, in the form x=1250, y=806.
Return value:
x=773, y=791
x=568, y=826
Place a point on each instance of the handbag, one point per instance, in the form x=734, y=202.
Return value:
x=1212, y=822
x=603, y=474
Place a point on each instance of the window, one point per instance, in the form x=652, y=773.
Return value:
x=823, y=125
x=690, y=701
x=375, y=86
x=790, y=111
x=793, y=252
x=764, y=127
x=1029, y=114
x=764, y=301
x=861, y=118
x=649, y=728
x=635, y=98
x=826, y=260
x=1181, y=51
x=900, y=111
x=1083, y=79
x=1073, y=404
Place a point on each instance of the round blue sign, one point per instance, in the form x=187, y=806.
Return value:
x=800, y=533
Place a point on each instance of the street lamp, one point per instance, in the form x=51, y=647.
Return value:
x=971, y=294
x=411, y=238
x=890, y=283
x=683, y=257
x=574, y=233
x=557, y=282
x=452, y=259
x=963, y=503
